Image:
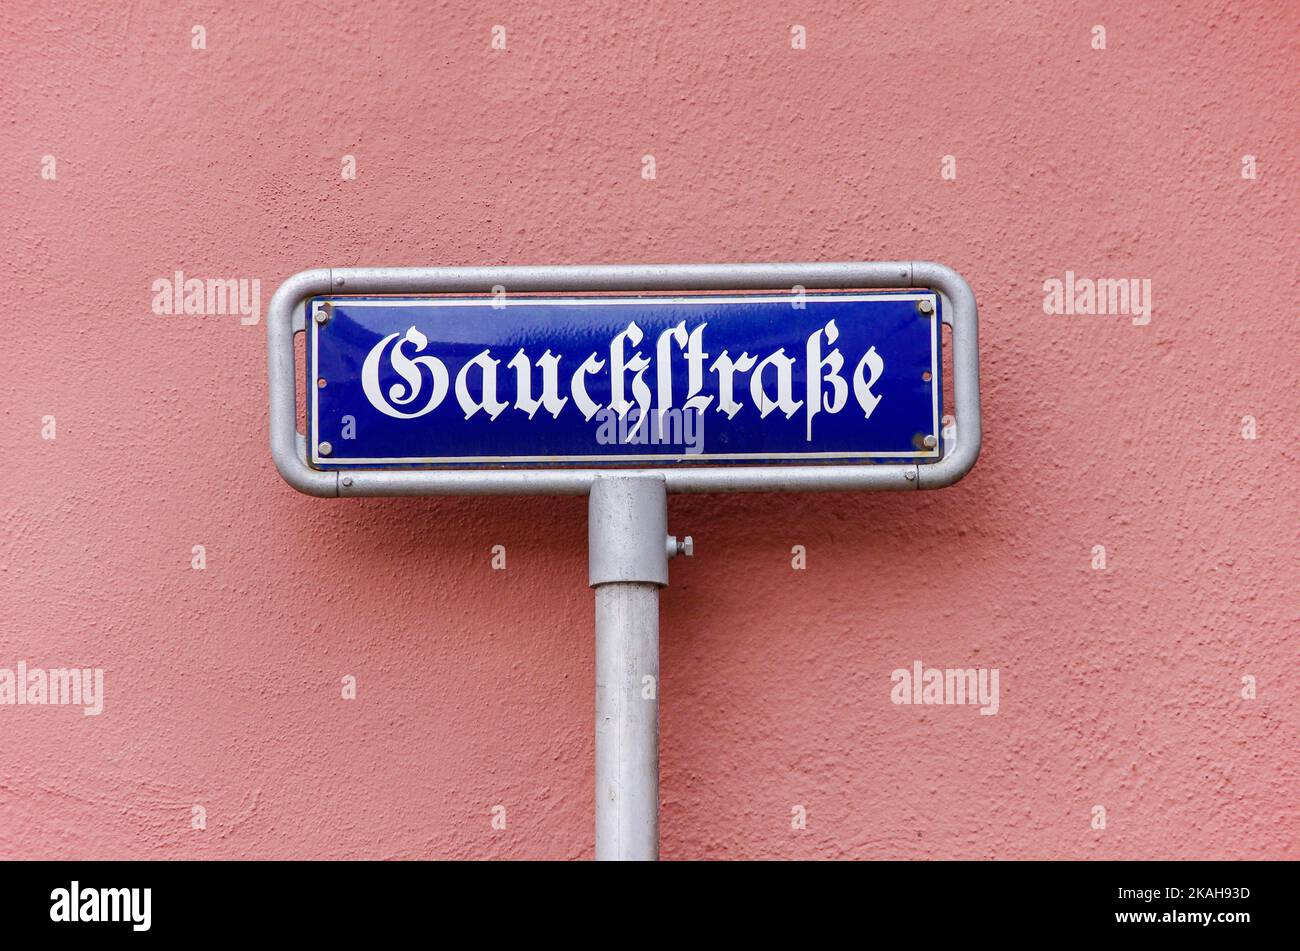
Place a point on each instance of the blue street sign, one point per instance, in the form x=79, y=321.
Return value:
x=490, y=382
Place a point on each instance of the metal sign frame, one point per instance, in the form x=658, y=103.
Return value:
x=287, y=316
x=627, y=536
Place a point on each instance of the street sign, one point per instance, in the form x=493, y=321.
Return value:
x=623, y=380
x=624, y=383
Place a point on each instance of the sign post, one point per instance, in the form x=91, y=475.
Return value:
x=627, y=544
x=624, y=383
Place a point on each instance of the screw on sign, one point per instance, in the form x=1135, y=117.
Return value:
x=624, y=383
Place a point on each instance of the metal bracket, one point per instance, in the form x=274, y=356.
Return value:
x=288, y=446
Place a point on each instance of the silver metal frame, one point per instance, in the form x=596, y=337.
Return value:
x=286, y=316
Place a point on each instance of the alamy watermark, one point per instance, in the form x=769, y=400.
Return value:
x=670, y=426
x=951, y=686
x=1103, y=296
x=208, y=297
x=58, y=686
x=77, y=903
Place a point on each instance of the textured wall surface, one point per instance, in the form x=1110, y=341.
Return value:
x=1161, y=687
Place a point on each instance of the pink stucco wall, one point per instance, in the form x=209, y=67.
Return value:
x=1125, y=687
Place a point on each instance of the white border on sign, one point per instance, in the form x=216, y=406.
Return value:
x=664, y=458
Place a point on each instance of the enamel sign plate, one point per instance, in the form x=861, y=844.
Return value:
x=623, y=380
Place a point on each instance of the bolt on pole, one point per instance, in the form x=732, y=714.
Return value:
x=628, y=552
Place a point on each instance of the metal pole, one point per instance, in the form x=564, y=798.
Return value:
x=628, y=552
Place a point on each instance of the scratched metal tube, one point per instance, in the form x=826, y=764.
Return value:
x=627, y=564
